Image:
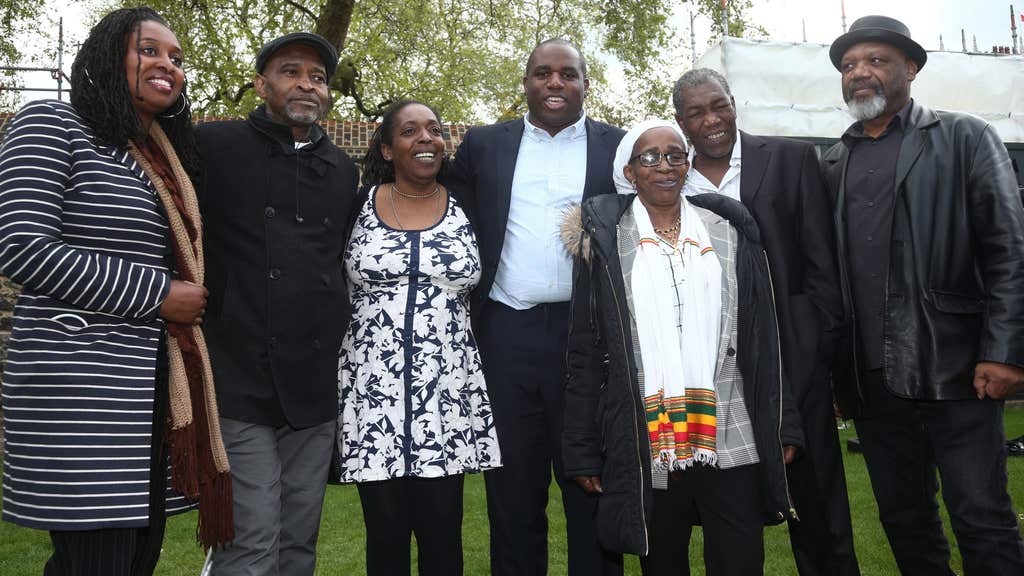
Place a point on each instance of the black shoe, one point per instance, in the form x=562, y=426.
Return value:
x=1015, y=447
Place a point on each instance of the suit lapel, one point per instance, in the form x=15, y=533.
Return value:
x=598, y=158
x=754, y=160
x=508, y=154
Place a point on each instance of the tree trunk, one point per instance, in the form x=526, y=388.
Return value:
x=334, y=20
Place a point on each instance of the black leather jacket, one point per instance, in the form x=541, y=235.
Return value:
x=955, y=284
x=605, y=431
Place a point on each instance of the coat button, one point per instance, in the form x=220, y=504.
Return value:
x=316, y=344
x=275, y=273
x=730, y=351
x=327, y=222
x=272, y=341
x=269, y=212
x=326, y=279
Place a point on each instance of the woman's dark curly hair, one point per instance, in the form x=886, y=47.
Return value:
x=100, y=92
x=377, y=170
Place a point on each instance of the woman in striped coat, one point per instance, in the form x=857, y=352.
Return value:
x=107, y=377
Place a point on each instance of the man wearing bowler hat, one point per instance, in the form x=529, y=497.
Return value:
x=275, y=200
x=930, y=235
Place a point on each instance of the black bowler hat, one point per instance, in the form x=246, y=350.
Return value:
x=323, y=48
x=878, y=29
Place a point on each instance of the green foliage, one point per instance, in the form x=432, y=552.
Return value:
x=466, y=57
x=16, y=16
x=739, y=27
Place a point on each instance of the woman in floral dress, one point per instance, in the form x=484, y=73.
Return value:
x=414, y=414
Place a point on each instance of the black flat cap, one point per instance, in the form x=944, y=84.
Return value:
x=880, y=29
x=327, y=52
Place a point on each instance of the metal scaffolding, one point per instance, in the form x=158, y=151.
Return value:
x=56, y=73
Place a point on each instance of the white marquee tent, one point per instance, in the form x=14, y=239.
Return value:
x=792, y=89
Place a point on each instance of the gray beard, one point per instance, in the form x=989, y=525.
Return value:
x=867, y=109
x=302, y=116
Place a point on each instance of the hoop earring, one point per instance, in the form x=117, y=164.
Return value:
x=184, y=105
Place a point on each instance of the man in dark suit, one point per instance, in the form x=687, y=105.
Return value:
x=931, y=254
x=779, y=181
x=275, y=202
x=516, y=179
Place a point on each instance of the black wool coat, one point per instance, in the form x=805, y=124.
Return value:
x=275, y=219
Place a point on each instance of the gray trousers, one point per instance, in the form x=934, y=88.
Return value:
x=278, y=477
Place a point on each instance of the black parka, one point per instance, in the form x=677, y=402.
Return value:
x=605, y=430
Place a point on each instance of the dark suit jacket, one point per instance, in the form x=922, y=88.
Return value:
x=482, y=179
x=782, y=185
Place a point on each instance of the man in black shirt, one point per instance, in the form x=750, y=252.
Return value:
x=930, y=234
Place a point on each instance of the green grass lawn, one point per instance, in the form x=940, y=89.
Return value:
x=23, y=552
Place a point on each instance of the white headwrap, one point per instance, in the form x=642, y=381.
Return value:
x=679, y=351
x=625, y=150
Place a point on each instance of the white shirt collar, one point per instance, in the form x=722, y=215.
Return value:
x=575, y=130
x=734, y=160
x=696, y=183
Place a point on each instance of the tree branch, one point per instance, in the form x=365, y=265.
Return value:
x=241, y=92
x=302, y=9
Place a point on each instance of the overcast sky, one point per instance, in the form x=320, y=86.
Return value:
x=988, y=20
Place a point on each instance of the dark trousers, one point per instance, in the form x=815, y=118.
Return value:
x=727, y=503
x=904, y=442
x=822, y=540
x=430, y=508
x=123, y=551
x=523, y=353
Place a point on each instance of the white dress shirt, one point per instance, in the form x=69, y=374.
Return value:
x=696, y=183
x=550, y=173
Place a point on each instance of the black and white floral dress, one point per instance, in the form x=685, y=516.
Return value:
x=413, y=401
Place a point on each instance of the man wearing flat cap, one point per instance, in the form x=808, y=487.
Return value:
x=930, y=235
x=275, y=200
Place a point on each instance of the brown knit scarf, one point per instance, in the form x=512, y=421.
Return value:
x=199, y=463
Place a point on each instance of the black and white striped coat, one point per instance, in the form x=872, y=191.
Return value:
x=82, y=231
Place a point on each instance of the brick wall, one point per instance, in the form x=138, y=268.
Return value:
x=352, y=137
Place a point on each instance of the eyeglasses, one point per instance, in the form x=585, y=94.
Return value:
x=652, y=159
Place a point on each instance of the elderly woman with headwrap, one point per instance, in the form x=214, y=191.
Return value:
x=676, y=409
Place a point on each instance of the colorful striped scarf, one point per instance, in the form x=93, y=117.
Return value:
x=679, y=350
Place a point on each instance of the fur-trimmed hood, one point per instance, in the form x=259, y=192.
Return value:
x=584, y=224
x=574, y=237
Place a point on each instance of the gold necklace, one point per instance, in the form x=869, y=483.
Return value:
x=395, y=190
x=394, y=210
x=669, y=230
